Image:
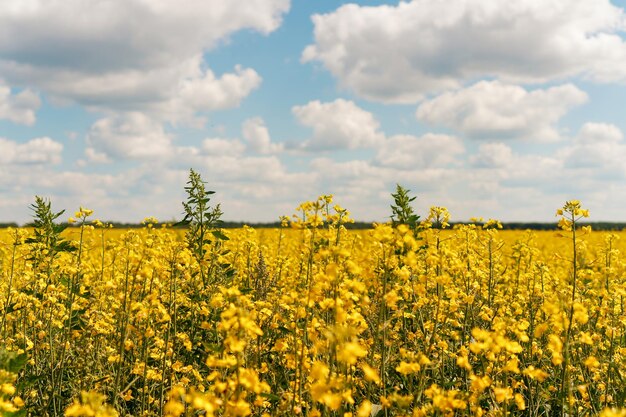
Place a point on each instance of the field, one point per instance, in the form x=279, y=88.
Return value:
x=413, y=319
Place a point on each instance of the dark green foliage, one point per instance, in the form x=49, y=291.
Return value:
x=47, y=241
x=402, y=210
x=13, y=363
x=201, y=219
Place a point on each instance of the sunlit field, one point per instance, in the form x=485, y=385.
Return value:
x=410, y=318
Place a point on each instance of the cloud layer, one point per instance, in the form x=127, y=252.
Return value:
x=38, y=151
x=340, y=124
x=399, y=54
x=132, y=55
x=484, y=106
x=494, y=110
x=18, y=108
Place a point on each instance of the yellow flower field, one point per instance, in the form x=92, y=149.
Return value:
x=313, y=320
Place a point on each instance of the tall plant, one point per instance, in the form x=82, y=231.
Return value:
x=46, y=242
x=202, y=220
x=402, y=212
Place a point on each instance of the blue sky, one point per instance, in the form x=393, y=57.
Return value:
x=494, y=109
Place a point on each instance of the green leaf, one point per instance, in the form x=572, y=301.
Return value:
x=65, y=246
x=12, y=362
x=11, y=308
x=272, y=398
x=219, y=235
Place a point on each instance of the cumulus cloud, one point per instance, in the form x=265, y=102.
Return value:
x=38, y=151
x=401, y=53
x=495, y=110
x=364, y=187
x=492, y=155
x=257, y=135
x=127, y=136
x=410, y=152
x=222, y=147
x=101, y=36
x=498, y=163
x=340, y=124
x=591, y=161
x=595, y=133
x=598, y=146
x=373, y=179
x=19, y=108
x=95, y=157
x=134, y=54
x=203, y=92
x=136, y=136
x=508, y=184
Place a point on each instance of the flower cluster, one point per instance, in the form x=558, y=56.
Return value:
x=312, y=319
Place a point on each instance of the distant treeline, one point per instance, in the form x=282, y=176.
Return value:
x=613, y=226
x=605, y=226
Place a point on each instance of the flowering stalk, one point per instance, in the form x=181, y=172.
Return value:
x=571, y=213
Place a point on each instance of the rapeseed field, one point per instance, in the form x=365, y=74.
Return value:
x=410, y=318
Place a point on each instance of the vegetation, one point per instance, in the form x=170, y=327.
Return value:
x=410, y=318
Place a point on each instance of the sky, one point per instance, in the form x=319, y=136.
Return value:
x=491, y=108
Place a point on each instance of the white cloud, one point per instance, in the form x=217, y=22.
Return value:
x=498, y=163
x=19, y=108
x=135, y=54
x=492, y=155
x=588, y=168
x=594, y=133
x=133, y=34
x=205, y=92
x=506, y=185
x=410, y=152
x=127, y=136
x=137, y=136
x=598, y=147
x=222, y=147
x=95, y=157
x=340, y=124
x=364, y=187
x=137, y=33
x=38, y=151
x=257, y=135
x=174, y=93
x=400, y=53
x=494, y=110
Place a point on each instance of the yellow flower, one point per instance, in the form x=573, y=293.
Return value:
x=91, y=404
x=350, y=352
x=556, y=346
x=503, y=394
x=365, y=409
x=479, y=384
x=463, y=362
x=613, y=412
x=534, y=373
x=592, y=362
x=370, y=373
x=406, y=368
